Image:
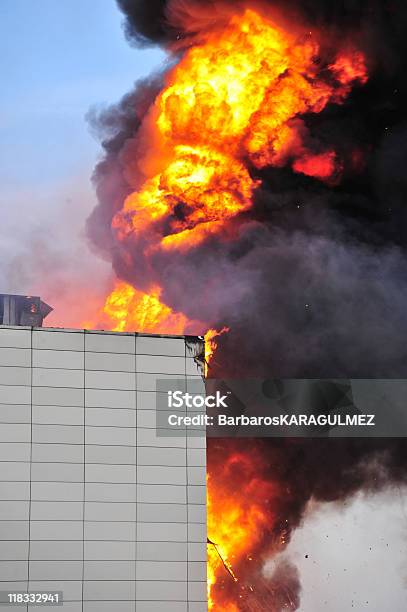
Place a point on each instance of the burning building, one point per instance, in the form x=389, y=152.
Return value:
x=94, y=500
x=256, y=187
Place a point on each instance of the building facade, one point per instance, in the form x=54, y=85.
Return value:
x=94, y=502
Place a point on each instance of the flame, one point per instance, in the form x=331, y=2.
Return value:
x=348, y=68
x=322, y=166
x=211, y=344
x=131, y=310
x=127, y=309
x=238, y=516
x=232, y=101
x=231, y=106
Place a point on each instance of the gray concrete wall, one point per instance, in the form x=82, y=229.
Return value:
x=92, y=502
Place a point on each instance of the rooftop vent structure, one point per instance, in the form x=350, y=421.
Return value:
x=22, y=310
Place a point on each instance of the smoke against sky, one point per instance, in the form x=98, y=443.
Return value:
x=49, y=256
x=351, y=556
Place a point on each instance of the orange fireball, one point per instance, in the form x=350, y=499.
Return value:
x=231, y=103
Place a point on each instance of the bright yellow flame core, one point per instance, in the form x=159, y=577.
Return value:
x=132, y=310
x=231, y=100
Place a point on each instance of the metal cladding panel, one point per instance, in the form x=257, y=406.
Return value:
x=93, y=500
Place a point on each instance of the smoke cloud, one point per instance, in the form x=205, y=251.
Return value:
x=48, y=255
x=321, y=267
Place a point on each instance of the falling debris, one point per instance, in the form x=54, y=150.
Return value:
x=225, y=562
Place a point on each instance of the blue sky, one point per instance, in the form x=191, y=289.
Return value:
x=58, y=58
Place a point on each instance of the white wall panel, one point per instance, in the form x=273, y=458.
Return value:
x=94, y=500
